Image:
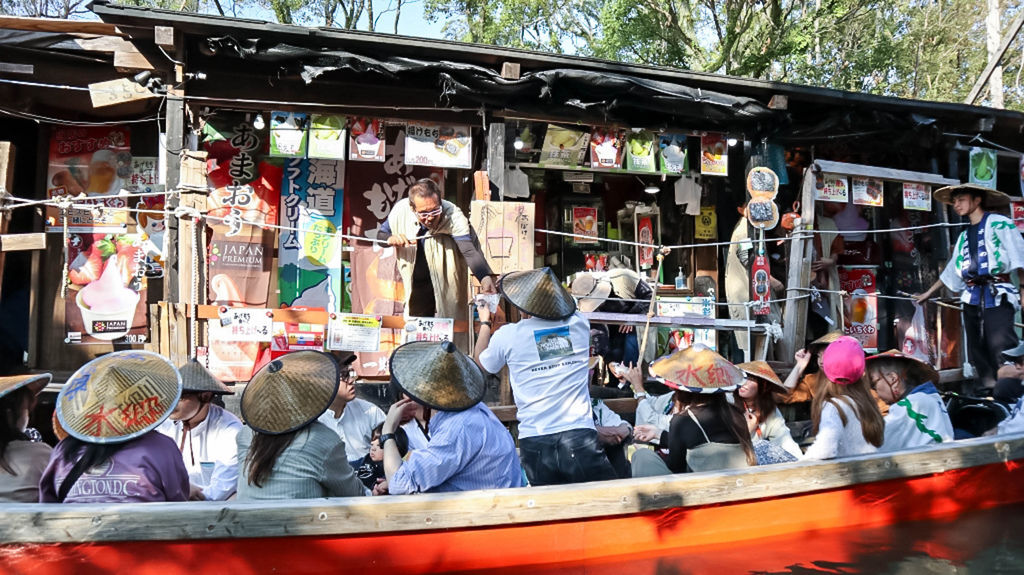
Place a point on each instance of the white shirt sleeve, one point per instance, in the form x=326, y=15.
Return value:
x=830, y=430
x=493, y=358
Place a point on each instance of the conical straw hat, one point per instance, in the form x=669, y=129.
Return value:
x=993, y=198
x=118, y=397
x=37, y=381
x=198, y=379
x=922, y=371
x=827, y=338
x=697, y=369
x=762, y=370
x=290, y=392
x=437, y=375
x=537, y=293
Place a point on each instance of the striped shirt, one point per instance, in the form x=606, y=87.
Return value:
x=468, y=449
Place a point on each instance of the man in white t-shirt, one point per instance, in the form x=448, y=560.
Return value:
x=546, y=353
x=353, y=419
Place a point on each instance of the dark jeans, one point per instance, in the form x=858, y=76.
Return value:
x=989, y=333
x=572, y=456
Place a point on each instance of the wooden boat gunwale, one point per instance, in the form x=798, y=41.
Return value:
x=361, y=516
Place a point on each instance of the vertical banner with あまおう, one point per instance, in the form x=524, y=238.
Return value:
x=106, y=298
x=584, y=225
x=861, y=307
x=438, y=145
x=714, y=155
x=85, y=163
x=309, y=252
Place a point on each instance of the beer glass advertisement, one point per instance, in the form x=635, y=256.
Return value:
x=861, y=307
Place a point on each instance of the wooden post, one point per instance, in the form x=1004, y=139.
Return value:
x=794, y=320
x=496, y=157
x=6, y=190
x=176, y=279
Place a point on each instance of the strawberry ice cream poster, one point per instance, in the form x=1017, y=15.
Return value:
x=309, y=252
x=106, y=298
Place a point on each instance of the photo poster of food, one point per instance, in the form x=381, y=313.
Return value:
x=245, y=189
x=106, y=299
x=1017, y=213
x=85, y=162
x=983, y=167
x=673, y=155
x=366, y=141
x=867, y=191
x=917, y=197
x=295, y=336
x=584, y=223
x=714, y=155
x=834, y=189
x=150, y=224
x=563, y=146
x=682, y=338
x=506, y=232
x=289, y=134
x=438, y=145
x=645, y=235
x=861, y=307
x=327, y=136
x=607, y=147
x=309, y=251
x=640, y=151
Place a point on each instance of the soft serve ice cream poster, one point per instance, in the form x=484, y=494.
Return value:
x=106, y=299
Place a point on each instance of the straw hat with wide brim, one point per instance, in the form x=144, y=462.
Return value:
x=697, y=369
x=589, y=291
x=118, y=397
x=197, y=379
x=920, y=370
x=290, y=392
x=827, y=338
x=761, y=370
x=35, y=381
x=537, y=293
x=993, y=198
x=437, y=375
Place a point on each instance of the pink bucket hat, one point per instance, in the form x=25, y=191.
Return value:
x=843, y=361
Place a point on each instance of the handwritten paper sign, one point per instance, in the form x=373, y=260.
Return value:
x=243, y=324
x=867, y=192
x=429, y=329
x=834, y=189
x=354, y=332
x=917, y=197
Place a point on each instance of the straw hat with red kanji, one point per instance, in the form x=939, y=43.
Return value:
x=697, y=369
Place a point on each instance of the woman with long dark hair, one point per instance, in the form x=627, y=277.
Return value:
x=285, y=453
x=22, y=460
x=757, y=399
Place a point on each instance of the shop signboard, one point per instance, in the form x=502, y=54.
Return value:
x=506, y=233
x=833, y=189
x=438, y=145
x=366, y=139
x=607, y=147
x=428, y=329
x=327, y=136
x=289, y=134
x=861, y=307
x=585, y=223
x=242, y=324
x=706, y=227
x=354, y=332
x=640, y=151
x=983, y=167
x=1017, y=213
x=563, y=146
x=106, y=297
x=86, y=162
x=867, y=191
x=672, y=154
x=714, y=155
x=917, y=197
x=309, y=252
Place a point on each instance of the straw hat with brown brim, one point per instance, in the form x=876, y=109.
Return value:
x=537, y=293
x=290, y=392
x=921, y=371
x=118, y=397
x=993, y=198
x=197, y=379
x=35, y=381
x=697, y=369
x=826, y=339
x=589, y=291
x=437, y=375
x=761, y=370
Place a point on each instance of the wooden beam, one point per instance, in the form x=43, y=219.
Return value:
x=120, y=91
x=510, y=70
x=496, y=157
x=129, y=61
x=21, y=242
x=10, y=68
x=61, y=26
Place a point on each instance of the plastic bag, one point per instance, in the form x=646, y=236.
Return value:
x=915, y=341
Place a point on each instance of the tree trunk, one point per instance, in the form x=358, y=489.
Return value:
x=995, y=81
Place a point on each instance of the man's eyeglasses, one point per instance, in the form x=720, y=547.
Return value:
x=430, y=214
x=348, y=375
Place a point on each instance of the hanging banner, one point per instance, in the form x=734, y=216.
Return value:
x=242, y=324
x=428, y=329
x=861, y=308
x=327, y=137
x=245, y=191
x=563, y=147
x=584, y=223
x=89, y=161
x=714, y=155
x=645, y=235
x=867, y=191
x=288, y=134
x=438, y=146
x=106, y=299
x=309, y=253
x=706, y=227
x=672, y=154
x=366, y=140
x=1017, y=213
x=640, y=151
x=917, y=197
x=353, y=332
x=983, y=167
x=151, y=225
x=607, y=147
x=834, y=189
x=506, y=232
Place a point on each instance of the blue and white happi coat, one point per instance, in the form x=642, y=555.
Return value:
x=1000, y=251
